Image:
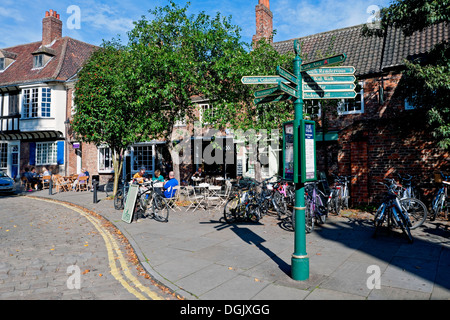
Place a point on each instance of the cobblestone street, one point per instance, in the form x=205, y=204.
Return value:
x=53, y=251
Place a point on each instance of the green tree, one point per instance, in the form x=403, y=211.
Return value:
x=181, y=56
x=106, y=102
x=426, y=81
x=137, y=92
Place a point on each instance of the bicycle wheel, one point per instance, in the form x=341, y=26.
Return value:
x=416, y=210
x=160, y=208
x=345, y=197
x=309, y=218
x=253, y=213
x=229, y=211
x=280, y=205
x=404, y=225
x=378, y=220
x=337, y=202
x=437, y=206
x=118, y=200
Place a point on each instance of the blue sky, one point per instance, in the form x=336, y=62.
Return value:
x=21, y=21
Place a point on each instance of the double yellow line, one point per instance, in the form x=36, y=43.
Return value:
x=144, y=293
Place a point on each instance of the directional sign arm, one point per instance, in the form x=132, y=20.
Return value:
x=289, y=90
x=287, y=75
x=323, y=62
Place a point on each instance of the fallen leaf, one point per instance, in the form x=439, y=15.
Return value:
x=257, y=280
x=86, y=271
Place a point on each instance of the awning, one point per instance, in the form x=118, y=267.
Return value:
x=33, y=136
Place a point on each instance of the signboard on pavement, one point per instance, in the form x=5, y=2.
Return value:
x=128, y=211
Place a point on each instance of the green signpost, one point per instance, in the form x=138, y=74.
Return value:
x=313, y=80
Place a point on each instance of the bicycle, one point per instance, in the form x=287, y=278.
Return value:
x=339, y=195
x=314, y=206
x=283, y=197
x=398, y=212
x=442, y=197
x=408, y=190
x=240, y=206
x=121, y=195
x=152, y=203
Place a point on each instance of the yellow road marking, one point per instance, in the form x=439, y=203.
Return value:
x=111, y=247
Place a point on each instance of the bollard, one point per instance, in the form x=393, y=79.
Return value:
x=94, y=185
x=50, y=186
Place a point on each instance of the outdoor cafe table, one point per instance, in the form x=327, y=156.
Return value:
x=208, y=193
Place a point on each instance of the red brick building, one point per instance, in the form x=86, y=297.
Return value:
x=377, y=134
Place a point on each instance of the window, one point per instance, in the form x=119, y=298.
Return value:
x=30, y=103
x=32, y=100
x=46, y=153
x=2, y=64
x=312, y=108
x=205, y=109
x=46, y=102
x=142, y=157
x=3, y=156
x=105, y=162
x=352, y=106
x=38, y=61
x=13, y=103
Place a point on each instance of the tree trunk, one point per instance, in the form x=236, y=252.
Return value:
x=117, y=165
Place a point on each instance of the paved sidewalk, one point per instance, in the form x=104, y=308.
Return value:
x=198, y=256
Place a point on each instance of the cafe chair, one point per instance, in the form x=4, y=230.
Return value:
x=26, y=185
x=46, y=182
x=82, y=184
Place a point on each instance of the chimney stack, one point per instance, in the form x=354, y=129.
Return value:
x=264, y=22
x=51, y=27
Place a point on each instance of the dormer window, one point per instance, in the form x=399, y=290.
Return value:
x=6, y=59
x=42, y=56
x=38, y=61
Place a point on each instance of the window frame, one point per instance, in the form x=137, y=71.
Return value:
x=38, y=61
x=53, y=153
x=35, y=105
x=344, y=103
x=102, y=159
x=149, y=164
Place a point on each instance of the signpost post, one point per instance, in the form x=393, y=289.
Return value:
x=313, y=80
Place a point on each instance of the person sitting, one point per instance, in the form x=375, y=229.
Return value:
x=169, y=186
x=199, y=173
x=87, y=174
x=33, y=178
x=76, y=182
x=28, y=176
x=157, y=176
x=140, y=176
x=45, y=172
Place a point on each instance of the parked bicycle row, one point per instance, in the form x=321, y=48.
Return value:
x=250, y=200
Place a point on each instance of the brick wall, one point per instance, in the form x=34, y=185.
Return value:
x=383, y=141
